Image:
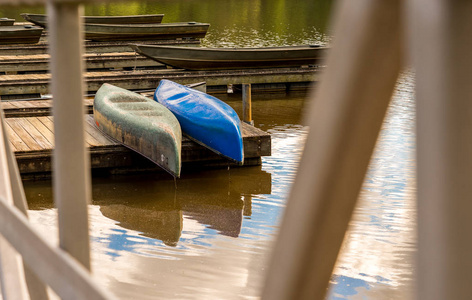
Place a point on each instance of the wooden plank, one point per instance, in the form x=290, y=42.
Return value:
x=24, y=104
x=12, y=147
x=23, y=134
x=251, y=131
x=97, y=135
x=40, y=103
x=90, y=47
x=10, y=104
x=47, y=121
x=34, y=133
x=15, y=139
x=45, y=131
x=89, y=137
x=88, y=101
x=90, y=140
x=7, y=105
x=39, y=84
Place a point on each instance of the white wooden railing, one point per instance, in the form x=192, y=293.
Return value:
x=65, y=268
x=373, y=39
x=345, y=119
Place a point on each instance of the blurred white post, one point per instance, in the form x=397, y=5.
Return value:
x=11, y=275
x=71, y=162
x=36, y=288
x=441, y=39
x=345, y=118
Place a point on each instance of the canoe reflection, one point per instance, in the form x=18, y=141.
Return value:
x=160, y=223
x=156, y=206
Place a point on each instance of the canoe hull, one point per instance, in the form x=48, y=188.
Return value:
x=195, y=58
x=7, y=22
x=104, y=32
x=203, y=118
x=41, y=20
x=140, y=124
x=20, y=34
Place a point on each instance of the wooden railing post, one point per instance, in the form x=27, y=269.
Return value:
x=36, y=288
x=344, y=122
x=70, y=161
x=12, y=282
x=440, y=42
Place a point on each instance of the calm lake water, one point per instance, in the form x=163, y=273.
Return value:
x=211, y=237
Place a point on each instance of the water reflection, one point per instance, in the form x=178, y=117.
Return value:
x=376, y=259
x=233, y=23
x=152, y=205
x=151, y=240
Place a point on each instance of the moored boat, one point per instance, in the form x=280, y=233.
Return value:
x=129, y=32
x=41, y=20
x=20, y=34
x=7, y=22
x=140, y=124
x=203, y=118
x=199, y=58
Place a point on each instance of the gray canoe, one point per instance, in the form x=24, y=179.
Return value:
x=197, y=58
x=110, y=32
x=6, y=22
x=41, y=20
x=140, y=124
x=20, y=34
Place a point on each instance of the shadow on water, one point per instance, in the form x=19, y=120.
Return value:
x=150, y=203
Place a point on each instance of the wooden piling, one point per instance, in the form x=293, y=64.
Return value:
x=247, y=105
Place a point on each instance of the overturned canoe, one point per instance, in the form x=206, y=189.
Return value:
x=203, y=118
x=41, y=20
x=20, y=34
x=198, y=58
x=129, y=32
x=140, y=124
x=6, y=22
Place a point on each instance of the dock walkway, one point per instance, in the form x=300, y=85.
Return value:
x=90, y=47
x=14, y=64
x=135, y=80
x=32, y=140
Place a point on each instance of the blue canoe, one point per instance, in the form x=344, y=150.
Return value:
x=203, y=118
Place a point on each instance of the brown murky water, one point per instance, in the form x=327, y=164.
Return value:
x=207, y=239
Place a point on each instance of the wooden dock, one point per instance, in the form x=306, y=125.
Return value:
x=16, y=64
x=32, y=140
x=34, y=108
x=136, y=80
x=90, y=47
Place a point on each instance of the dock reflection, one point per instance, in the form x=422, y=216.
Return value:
x=156, y=206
